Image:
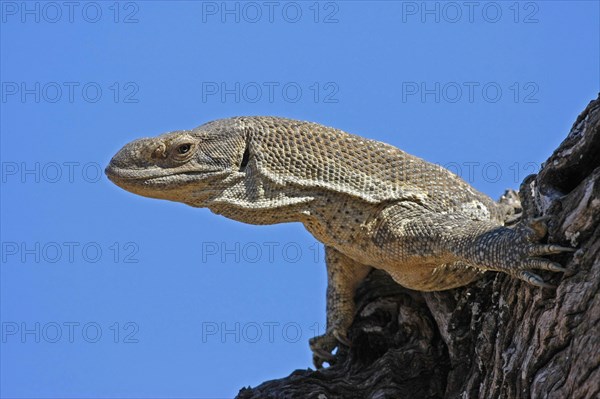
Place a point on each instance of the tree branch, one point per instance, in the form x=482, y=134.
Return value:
x=498, y=337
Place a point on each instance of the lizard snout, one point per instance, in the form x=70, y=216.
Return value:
x=135, y=156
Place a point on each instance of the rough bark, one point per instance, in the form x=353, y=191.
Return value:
x=498, y=337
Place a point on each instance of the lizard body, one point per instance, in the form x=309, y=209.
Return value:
x=371, y=205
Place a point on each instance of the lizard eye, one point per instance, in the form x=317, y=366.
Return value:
x=184, y=148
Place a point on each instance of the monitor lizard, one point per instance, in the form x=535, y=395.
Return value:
x=371, y=205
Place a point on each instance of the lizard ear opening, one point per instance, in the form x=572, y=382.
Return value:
x=245, y=159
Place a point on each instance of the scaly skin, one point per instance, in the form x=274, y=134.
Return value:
x=371, y=205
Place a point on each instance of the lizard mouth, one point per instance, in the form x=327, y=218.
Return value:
x=184, y=177
x=154, y=176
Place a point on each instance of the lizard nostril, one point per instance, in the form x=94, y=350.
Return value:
x=159, y=151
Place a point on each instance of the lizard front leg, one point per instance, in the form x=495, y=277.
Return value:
x=420, y=239
x=343, y=276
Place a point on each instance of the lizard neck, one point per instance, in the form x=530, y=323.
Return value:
x=261, y=205
x=258, y=216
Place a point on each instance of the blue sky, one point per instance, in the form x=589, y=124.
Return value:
x=107, y=294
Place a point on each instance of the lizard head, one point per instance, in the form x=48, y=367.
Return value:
x=187, y=166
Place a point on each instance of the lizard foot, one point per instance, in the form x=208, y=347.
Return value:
x=322, y=347
x=533, y=262
x=524, y=251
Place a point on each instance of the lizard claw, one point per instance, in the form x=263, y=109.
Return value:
x=549, y=249
x=533, y=279
x=323, y=345
x=342, y=338
x=543, y=264
x=320, y=357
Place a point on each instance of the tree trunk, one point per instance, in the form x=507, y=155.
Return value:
x=498, y=337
